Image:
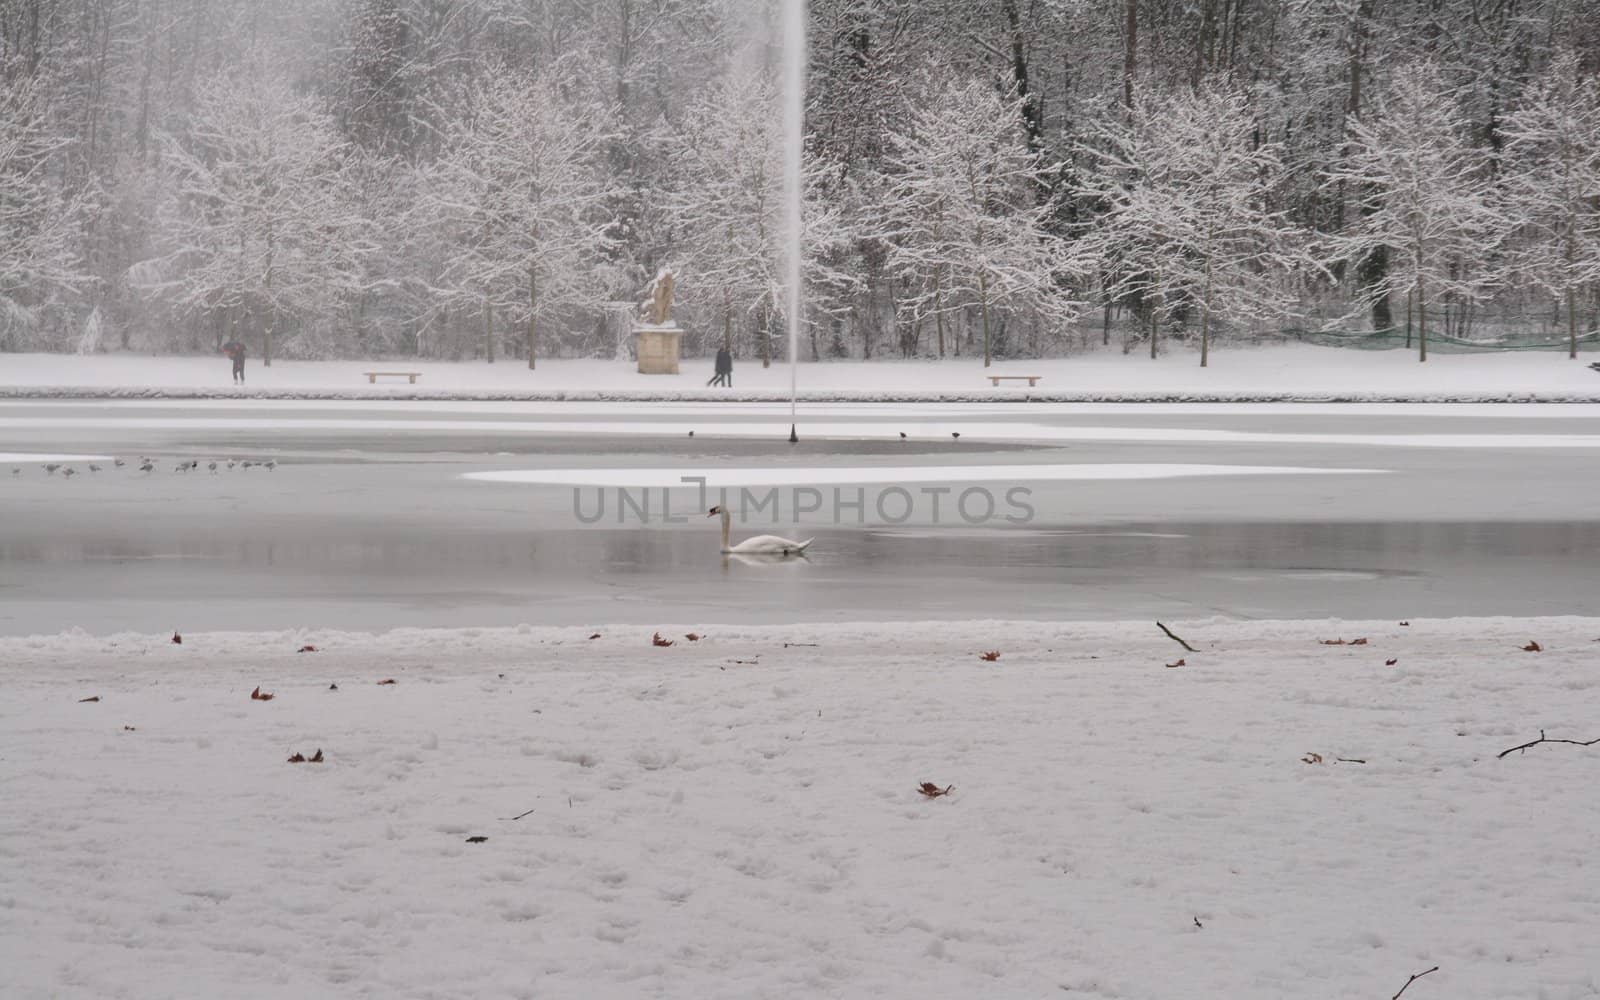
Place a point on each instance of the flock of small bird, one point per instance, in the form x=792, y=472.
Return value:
x=148, y=465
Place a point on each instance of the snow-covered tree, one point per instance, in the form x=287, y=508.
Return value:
x=1552, y=182
x=524, y=188
x=1187, y=218
x=967, y=224
x=259, y=225
x=727, y=211
x=1425, y=196
x=39, y=261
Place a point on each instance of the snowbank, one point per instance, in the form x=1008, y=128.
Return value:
x=1283, y=373
x=740, y=816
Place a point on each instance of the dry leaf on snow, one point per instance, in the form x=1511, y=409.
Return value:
x=1311, y=758
x=991, y=656
x=1181, y=662
x=933, y=791
x=1533, y=647
x=89, y=699
x=656, y=640
x=260, y=695
x=388, y=680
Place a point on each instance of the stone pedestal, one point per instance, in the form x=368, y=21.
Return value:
x=657, y=348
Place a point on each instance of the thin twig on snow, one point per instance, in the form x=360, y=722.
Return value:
x=1175, y=639
x=1543, y=739
x=1414, y=978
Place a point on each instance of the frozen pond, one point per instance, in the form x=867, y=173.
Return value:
x=369, y=520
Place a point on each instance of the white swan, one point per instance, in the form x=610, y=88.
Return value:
x=770, y=545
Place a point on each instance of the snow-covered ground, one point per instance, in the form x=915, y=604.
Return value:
x=1280, y=372
x=740, y=816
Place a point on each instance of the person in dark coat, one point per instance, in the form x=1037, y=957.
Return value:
x=235, y=350
x=724, y=375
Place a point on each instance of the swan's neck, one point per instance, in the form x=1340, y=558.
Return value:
x=727, y=523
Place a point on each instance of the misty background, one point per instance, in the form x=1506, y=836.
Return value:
x=501, y=178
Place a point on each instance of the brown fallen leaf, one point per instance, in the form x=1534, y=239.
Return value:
x=476, y=840
x=298, y=758
x=1358, y=642
x=177, y=640
x=82, y=701
x=316, y=758
x=1390, y=663
x=692, y=637
x=1332, y=642
x=1311, y=758
x=933, y=791
x=389, y=680
x=1533, y=647
x=656, y=640
x=306, y=649
x=991, y=656
x=1181, y=662
x=260, y=695
x=130, y=729
x=595, y=636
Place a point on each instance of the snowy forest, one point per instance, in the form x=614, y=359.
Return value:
x=500, y=179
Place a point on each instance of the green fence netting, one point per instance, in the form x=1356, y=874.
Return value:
x=1388, y=340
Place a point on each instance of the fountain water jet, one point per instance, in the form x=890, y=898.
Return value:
x=794, y=115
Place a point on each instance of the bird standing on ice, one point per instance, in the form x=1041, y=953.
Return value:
x=769, y=545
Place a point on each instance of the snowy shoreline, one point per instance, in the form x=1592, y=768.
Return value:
x=1284, y=373
x=740, y=815
x=1019, y=398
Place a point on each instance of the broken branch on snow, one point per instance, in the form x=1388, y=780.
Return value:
x=1175, y=639
x=1544, y=739
x=1414, y=977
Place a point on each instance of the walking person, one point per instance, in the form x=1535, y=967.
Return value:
x=724, y=374
x=235, y=350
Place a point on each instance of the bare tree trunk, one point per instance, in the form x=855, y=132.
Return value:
x=1408, y=319
x=983, y=307
x=488, y=330
x=938, y=309
x=727, y=320
x=1130, y=54
x=1105, y=326
x=1572, y=325
x=1422, y=318
x=533, y=316
x=1155, y=317
x=1572, y=311
x=766, y=334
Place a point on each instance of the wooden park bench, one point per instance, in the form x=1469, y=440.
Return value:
x=372, y=377
x=995, y=380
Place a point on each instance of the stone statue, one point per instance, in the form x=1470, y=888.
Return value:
x=658, y=310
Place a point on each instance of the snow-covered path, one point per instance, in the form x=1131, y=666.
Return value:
x=1287, y=371
x=739, y=816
